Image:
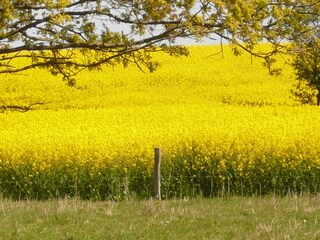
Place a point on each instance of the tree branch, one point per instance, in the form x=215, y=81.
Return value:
x=19, y=108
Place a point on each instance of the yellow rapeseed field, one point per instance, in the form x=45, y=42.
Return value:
x=223, y=123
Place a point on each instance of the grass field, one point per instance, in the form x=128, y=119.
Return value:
x=224, y=124
x=219, y=218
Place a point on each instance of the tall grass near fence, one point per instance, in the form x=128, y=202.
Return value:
x=225, y=126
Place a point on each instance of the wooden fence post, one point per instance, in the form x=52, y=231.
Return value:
x=157, y=173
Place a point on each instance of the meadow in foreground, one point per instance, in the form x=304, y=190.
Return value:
x=219, y=218
x=224, y=124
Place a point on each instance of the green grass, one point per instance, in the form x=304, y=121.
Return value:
x=219, y=218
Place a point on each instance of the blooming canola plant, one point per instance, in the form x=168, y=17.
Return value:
x=224, y=124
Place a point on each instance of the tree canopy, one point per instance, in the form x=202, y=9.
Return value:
x=68, y=36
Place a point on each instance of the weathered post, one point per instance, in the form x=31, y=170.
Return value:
x=157, y=173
